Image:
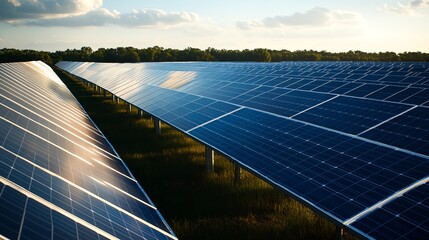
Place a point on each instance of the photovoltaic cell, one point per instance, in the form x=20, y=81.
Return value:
x=287, y=104
x=351, y=115
x=408, y=212
x=345, y=138
x=349, y=87
x=404, y=94
x=418, y=98
x=37, y=220
x=329, y=86
x=408, y=131
x=365, y=90
x=385, y=92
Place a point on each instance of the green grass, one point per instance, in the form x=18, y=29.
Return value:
x=197, y=204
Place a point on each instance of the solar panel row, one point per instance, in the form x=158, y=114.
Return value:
x=59, y=174
x=354, y=115
x=325, y=133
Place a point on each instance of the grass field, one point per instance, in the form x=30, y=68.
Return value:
x=196, y=204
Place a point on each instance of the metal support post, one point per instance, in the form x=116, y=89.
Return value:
x=157, y=126
x=339, y=231
x=209, y=159
x=237, y=173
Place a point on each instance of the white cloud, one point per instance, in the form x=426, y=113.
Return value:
x=29, y=9
x=15, y=3
x=409, y=8
x=153, y=17
x=315, y=17
x=102, y=17
x=99, y=17
x=85, y=13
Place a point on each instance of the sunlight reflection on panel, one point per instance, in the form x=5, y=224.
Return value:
x=178, y=79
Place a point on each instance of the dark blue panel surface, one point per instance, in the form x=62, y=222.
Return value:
x=37, y=222
x=330, y=86
x=28, y=219
x=407, y=212
x=408, y=131
x=351, y=115
x=385, y=92
x=365, y=90
x=12, y=205
x=346, y=88
x=418, y=98
x=288, y=104
x=404, y=94
x=341, y=175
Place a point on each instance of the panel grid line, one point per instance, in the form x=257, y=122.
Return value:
x=55, y=208
x=387, y=200
x=214, y=119
x=314, y=106
x=387, y=120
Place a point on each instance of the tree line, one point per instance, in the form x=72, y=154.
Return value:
x=159, y=54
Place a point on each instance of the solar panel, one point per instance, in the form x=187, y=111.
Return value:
x=344, y=138
x=59, y=175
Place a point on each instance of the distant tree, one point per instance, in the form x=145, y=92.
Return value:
x=327, y=56
x=147, y=55
x=388, y=57
x=165, y=56
x=130, y=55
x=276, y=56
x=99, y=55
x=15, y=55
x=85, y=53
x=306, y=55
x=207, y=56
x=261, y=55
x=414, y=56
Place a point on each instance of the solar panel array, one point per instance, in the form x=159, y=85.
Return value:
x=59, y=176
x=348, y=139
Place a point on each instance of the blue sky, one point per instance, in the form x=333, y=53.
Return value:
x=332, y=25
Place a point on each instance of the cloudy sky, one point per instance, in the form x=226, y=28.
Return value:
x=332, y=25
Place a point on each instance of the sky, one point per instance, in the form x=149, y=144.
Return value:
x=331, y=25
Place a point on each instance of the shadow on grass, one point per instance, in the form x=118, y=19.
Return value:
x=197, y=205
